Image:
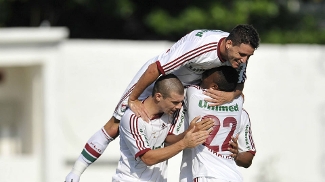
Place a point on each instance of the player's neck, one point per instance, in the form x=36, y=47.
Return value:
x=223, y=49
x=151, y=107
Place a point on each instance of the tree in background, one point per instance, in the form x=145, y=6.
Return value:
x=277, y=22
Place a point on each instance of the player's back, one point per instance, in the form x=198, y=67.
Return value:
x=213, y=158
x=194, y=53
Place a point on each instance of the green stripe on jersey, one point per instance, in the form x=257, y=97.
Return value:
x=87, y=156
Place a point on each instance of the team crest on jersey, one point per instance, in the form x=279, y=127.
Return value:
x=163, y=126
x=124, y=107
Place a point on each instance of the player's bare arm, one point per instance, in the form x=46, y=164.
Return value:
x=220, y=97
x=190, y=140
x=148, y=77
x=203, y=125
x=242, y=159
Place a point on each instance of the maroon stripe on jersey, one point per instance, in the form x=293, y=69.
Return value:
x=219, y=52
x=135, y=132
x=170, y=133
x=126, y=95
x=252, y=152
x=176, y=115
x=140, y=153
x=190, y=55
x=196, y=179
x=186, y=59
x=171, y=129
x=174, y=121
x=160, y=69
x=92, y=151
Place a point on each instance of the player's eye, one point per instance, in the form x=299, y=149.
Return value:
x=176, y=103
x=242, y=55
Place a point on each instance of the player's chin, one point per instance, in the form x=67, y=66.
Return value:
x=172, y=112
x=235, y=65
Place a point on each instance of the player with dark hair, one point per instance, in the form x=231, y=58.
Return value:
x=215, y=160
x=188, y=58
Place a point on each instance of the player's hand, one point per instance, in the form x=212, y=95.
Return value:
x=137, y=107
x=218, y=97
x=233, y=147
x=192, y=139
x=71, y=177
x=205, y=124
x=193, y=122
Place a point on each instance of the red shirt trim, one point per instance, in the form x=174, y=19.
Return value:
x=160, y=69
x=142, y=152
x=218, y=50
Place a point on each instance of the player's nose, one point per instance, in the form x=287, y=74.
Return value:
x=179, y=106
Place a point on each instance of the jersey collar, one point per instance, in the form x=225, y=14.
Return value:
x=218, y=50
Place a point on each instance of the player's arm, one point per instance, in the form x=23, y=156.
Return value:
x=244, y=145
x=220, y=97
x=244, y=159
x=147, y=78
x=190, y=140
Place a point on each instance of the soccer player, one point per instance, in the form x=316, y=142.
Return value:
x=196, y=52
x=143, y=154
x=214, y=161
x=188, y=58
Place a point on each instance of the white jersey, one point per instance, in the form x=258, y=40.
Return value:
x=212, y=159
x=245, y=143
x=188, y=58
x=245, y=139
x=136, y=138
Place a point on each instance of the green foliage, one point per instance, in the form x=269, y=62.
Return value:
x=212, y=15
x=169, y=19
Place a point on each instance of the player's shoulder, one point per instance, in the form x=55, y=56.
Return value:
x=210, y=32
x=194, y=87
x=213, y=35
x=128, y=117
x=245, y=116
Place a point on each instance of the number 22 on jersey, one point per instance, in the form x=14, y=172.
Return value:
x=219, y=137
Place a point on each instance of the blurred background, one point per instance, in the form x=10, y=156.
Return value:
x=278, y=21
x=65, y=64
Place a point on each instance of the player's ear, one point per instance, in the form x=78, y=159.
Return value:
x=215, y=87
x=228, y=44
x=158, y=97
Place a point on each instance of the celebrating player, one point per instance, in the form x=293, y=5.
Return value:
x=143, y=154
x=214, y=160
x=188, y=58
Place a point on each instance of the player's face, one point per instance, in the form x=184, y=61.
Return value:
x=173, y=103
x=239, y=54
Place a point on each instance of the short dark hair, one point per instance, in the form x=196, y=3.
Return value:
x=226, y=77
x=245, y=34
x=166, y=84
